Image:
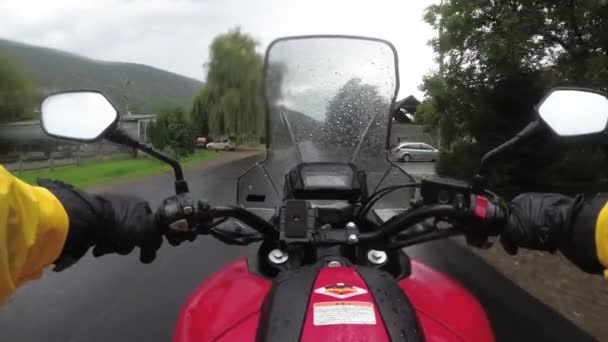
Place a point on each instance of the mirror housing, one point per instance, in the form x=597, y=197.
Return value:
x=82, y=115
x=88, y=116
x=567, y=111
x=571, y=112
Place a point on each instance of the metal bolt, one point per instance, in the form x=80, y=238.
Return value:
x=352, y=238
x=376, y=257
x=351, y=225
x=334, y=264
x=276, y=256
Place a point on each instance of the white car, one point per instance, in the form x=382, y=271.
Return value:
x=222, y=144
x=411, y=151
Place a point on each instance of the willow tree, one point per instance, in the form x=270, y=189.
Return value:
x=230, y=103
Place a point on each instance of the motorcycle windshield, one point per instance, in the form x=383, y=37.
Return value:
x=328, y=99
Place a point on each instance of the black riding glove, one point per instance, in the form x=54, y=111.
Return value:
x=109, y=223
x=539, y=221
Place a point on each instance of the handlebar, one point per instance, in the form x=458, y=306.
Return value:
x=409, y=218
x=477, y=209
x=481, y=210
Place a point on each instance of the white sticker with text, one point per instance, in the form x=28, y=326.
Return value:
x=332, y=313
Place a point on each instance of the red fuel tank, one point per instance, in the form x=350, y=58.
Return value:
x=342, y=309
x=446, y=310
x=227, y=307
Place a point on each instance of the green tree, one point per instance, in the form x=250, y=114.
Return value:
x=17, y=95
x=497, y=59
x=173, y=130
x=350, y=111
x=159, y=131
x=231, y=102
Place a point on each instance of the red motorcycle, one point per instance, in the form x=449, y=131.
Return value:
x=328, y=262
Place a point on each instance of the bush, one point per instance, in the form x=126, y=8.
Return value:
x=462, y=162
x=180, y=133
x=536, y=166
x=159, y=133
x=172, y=130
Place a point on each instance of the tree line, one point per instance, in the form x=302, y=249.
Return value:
x=497, y=59
x=230, y=103
x=17, y=93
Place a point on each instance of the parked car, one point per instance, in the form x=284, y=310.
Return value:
x=411, y=151
x=201, y=142
x=222, y=144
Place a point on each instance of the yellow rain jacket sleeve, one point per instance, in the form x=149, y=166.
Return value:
x=587, y=247
x=601, y=238
x=33, y=229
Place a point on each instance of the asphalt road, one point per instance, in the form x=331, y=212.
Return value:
x=115, y=298
x=418, y=168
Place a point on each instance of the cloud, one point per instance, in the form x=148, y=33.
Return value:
x=175, y=34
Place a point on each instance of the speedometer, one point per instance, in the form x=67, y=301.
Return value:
x=337, y=181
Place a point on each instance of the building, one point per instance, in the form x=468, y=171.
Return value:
x=27, y=140
x=30, y=132
x=138, y=126
x=403, y=128
x=405, y=109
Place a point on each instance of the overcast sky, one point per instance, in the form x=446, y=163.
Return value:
x=175, y=34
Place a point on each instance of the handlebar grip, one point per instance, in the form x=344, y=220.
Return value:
x=489, y=211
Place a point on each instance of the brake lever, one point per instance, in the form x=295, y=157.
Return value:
x=418, y=229
x=238, y=236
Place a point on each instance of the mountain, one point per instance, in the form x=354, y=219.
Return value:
x=149, y=89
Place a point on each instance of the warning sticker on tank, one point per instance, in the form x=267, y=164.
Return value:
x=333, y=313
x=340, y=290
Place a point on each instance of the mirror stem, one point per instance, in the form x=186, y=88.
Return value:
x=479, y=182
x=120, y=137
x=528, y=131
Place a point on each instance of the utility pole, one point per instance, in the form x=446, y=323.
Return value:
x=441, y=74
x=126, y=97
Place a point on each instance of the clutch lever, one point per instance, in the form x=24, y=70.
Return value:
x=417, y=229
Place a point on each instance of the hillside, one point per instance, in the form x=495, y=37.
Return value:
x=54, y=70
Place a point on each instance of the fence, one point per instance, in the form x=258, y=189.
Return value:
x=24, y=146
x=31, y=157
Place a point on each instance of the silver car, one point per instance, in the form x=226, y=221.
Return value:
x=411, y=151
x=222, y=144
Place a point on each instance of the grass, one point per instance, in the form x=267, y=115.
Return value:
x=96, y=173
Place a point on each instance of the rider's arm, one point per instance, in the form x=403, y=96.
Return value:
x=588, y=245
x=55, y=223
x=577, y=227
x=33, y=230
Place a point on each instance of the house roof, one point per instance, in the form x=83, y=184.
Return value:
x=409, y=103
x=31, y=132
x=25, y=131
x=135, y=117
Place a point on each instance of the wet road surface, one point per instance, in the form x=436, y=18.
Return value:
x=418, y=168
x=115, y=298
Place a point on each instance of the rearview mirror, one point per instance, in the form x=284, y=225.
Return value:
x=78, y=115
x=573, y=112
